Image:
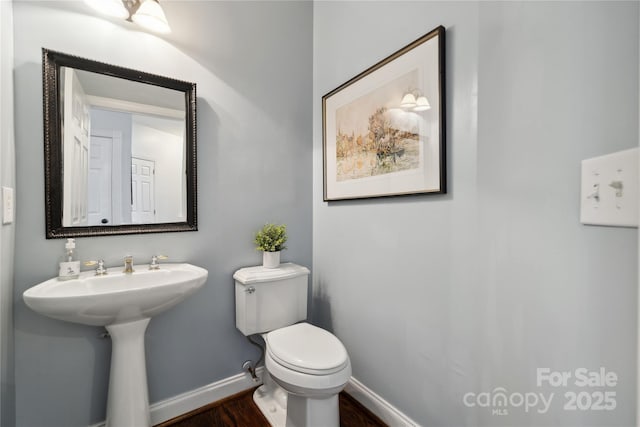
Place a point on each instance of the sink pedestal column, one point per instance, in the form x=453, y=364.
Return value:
x=128, y=402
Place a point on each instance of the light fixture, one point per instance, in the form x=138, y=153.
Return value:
x=422, y=104
x=413, y=100
x=146, y=13
x=408, y=100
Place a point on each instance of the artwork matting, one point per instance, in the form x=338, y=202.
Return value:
x=377, y=141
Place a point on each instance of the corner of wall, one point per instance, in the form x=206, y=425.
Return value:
x=7, y=232
x=638, y=298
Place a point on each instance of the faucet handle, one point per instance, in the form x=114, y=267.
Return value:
x=154, y=261
x=100, y=270
x=128, y=264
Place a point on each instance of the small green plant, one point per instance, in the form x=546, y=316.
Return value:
x=271, y=238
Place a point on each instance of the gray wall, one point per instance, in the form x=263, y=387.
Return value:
x=439, y=296
x=252, y=64
x=7, y=232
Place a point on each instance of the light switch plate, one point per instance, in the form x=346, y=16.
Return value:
x=8, y=207
x=609, y=189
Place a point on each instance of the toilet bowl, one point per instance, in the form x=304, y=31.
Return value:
x=307, y=358
x=312, y=366
x=306, y=366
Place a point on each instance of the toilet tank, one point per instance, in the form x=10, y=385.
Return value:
x=270, y=298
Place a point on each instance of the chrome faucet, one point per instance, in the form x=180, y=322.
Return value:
x=155, y=264
x=128, y=264
x=100, y=270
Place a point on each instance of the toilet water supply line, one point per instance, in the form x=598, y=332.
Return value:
x=249, y=366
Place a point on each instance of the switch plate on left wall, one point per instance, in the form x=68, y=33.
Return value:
x=8, y=205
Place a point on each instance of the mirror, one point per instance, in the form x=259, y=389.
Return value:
x=120, y=149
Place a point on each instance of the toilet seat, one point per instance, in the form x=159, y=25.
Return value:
x=310, y=385
x=307, y=349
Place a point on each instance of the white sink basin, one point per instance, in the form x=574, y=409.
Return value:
x=116, y=297
x=124, y=304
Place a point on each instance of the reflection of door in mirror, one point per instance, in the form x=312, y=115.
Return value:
x=143, y=203
x=105, y=176
x=109, y=182
x=76, y=124
x=100, y=180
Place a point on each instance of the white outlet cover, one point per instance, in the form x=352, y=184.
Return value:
x=601, y=201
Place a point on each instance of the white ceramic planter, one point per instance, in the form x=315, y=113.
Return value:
x=270, y=259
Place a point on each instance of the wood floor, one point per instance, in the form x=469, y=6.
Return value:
x=240, y=411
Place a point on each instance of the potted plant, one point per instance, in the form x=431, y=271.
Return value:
x=270, y=240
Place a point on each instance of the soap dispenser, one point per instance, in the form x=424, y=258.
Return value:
x=69, y=269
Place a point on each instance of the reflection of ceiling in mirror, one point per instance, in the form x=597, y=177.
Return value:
x=101, y=85
x=163, y=124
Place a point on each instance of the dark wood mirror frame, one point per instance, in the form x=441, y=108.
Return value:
x=53, y=156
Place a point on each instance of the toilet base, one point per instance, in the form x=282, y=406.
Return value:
x=308, y=412
x=283, y=409
x=271, y=399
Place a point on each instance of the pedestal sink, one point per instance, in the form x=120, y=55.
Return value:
x=124, y=304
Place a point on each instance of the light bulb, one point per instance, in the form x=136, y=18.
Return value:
x=422, y=104
x=408, y=100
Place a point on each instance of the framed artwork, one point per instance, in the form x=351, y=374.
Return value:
x=384, y=130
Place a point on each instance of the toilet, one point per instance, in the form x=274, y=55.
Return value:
x=306, y=366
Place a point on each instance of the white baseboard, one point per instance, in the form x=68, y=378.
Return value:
x=376, y=404
x=194, y=399
x=186, y=402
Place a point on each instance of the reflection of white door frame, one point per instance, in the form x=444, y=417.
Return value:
x=116, y=172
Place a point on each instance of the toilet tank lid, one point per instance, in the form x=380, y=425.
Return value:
x=259, y=274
